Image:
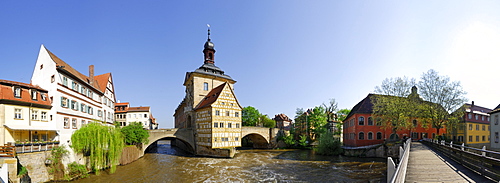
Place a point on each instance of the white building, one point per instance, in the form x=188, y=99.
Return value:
x=77, y=99
x=126, y=115
x=495, y=128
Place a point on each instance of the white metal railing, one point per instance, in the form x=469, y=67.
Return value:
x=398, y=173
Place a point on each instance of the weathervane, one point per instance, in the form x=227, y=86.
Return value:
x=208, y=25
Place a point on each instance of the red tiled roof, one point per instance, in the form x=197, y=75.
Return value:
x=102, y=81
x=211, y=97
x=7, y=94
x=138, y=109
x=281, y=117
x=75, y=73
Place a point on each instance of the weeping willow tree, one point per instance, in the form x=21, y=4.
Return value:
x=103, y=145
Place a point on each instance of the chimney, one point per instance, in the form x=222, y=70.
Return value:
x=472, y=105
x=91, y=74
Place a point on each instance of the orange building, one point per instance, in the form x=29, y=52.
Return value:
x=361, y=129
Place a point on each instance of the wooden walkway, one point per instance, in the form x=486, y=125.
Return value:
x=426, y=165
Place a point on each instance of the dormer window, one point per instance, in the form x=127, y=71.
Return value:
x=33, y=95
x=17, y=92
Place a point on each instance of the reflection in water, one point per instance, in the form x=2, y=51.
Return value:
x=169, y=164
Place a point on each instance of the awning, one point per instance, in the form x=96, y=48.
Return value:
x=22, y=127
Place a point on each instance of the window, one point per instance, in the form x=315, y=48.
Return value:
x=477, y=138
x=66, y=122
x=237, y=125
x=83, y=122
x=18, y=113
x=477, y=127
x=221, y=125
x=470, y=116
x=43, y=116
x=477, y=117
x=83, y=108
x=379, y=136
x=484, y=127
x=361, y=136
x=65, y=81
x=34, y=115
x=216, y=125
x=496, y=137
x=227, y=113
x=33, y=95
x=74, y=105
x=90, y=110
x=415, y=123
x=470, y=138
x=482, y=118
x=236, y=138
x=236, y=114
x=217, y=112
x=43, y=96
x=370, y=120
x=73, y=123
x=470, y=126
x=222, y=103
x=370, y=135
x=17, y=92
x=229, y=125
x=496, y=119
x=484, y=138
x=64, y=102
x=145, y=115
x=52, y=78
x=361, y=120
x=205, y=86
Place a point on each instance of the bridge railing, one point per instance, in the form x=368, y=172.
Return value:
x=482, y=161
x=398, y=173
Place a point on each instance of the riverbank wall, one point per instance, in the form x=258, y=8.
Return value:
x=130, y=154
x=34, y=162
x=374, y=151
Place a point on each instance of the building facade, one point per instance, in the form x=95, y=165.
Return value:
x=210, y=106
x=24, y=114
x=124, y=114
x=77, y=99
x=283, y=122
x=495, y=128
x=360, y=128
x=474, y=129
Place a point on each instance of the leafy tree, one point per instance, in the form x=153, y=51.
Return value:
x=303, y=141
x=318, y=120
x=398, y=86
x=250, y=116
x=328, y=145
x=267, y=122
x=394, y=112
x=342, y=114
x=135, y=134
x=300, y=125
x=447, y=97
x=103, y=144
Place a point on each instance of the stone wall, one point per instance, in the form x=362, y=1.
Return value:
x=221, y=153
x=130, y=154
x=35, y=164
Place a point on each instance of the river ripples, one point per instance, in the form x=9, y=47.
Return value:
x=170, y=164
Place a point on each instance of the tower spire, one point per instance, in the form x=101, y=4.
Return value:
x=209, y=51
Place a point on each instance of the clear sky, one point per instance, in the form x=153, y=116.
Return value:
x=284, y=54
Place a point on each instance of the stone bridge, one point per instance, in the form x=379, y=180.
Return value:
x=184, y=137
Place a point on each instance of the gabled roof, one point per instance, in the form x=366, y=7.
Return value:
x=365, y=106
x=61, y=65
x=138, y=109
x=7, y=95
x=281, y=117
x=102, y=81
x=211, y=97
x=24, y=85
x=478, y=108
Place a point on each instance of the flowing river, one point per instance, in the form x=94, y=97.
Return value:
x=169, y=164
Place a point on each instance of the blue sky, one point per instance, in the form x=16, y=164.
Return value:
x=284, y=54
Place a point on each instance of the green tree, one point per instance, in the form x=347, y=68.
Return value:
x=103, y=144
x=395, y=113
x=301, y=124
x=135, y=134
x=250, y=116
x=446, y=96
x=342, y=114
x=267, y=122
x=318, y=120
x=328, y=145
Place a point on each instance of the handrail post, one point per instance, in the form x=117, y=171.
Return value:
x=391, y=169
x=451, y=144
x=463, y=145
x=484, y=151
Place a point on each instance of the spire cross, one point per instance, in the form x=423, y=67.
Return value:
x=208, y=25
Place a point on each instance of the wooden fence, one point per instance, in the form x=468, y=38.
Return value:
x=7, y=151
x=481, y=161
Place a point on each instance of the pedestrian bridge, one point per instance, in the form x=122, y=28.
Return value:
x=437, y=161
x=261, y=137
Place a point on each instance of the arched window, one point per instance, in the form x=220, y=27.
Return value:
x=370, y=136
x=379, y=135
x=361, y=136
x=210, y=56
x=361, y=120
x=414, y=123
x=205, y=86
x=378, y=120
x=370, y=120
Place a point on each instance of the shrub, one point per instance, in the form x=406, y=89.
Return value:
x=134, y=134
x=77, y=170
x=328, y=145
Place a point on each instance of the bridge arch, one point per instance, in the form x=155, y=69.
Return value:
x=183, y=138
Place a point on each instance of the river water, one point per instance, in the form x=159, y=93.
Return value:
x=169, y=164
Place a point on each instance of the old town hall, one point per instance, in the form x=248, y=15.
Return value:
x=210, y=108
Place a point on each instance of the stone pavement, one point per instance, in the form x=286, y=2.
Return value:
x=426, y=165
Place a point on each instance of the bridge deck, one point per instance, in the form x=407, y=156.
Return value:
x=426, y=165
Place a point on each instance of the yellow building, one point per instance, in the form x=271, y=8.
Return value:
x=474, y=130
x=210, y=108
